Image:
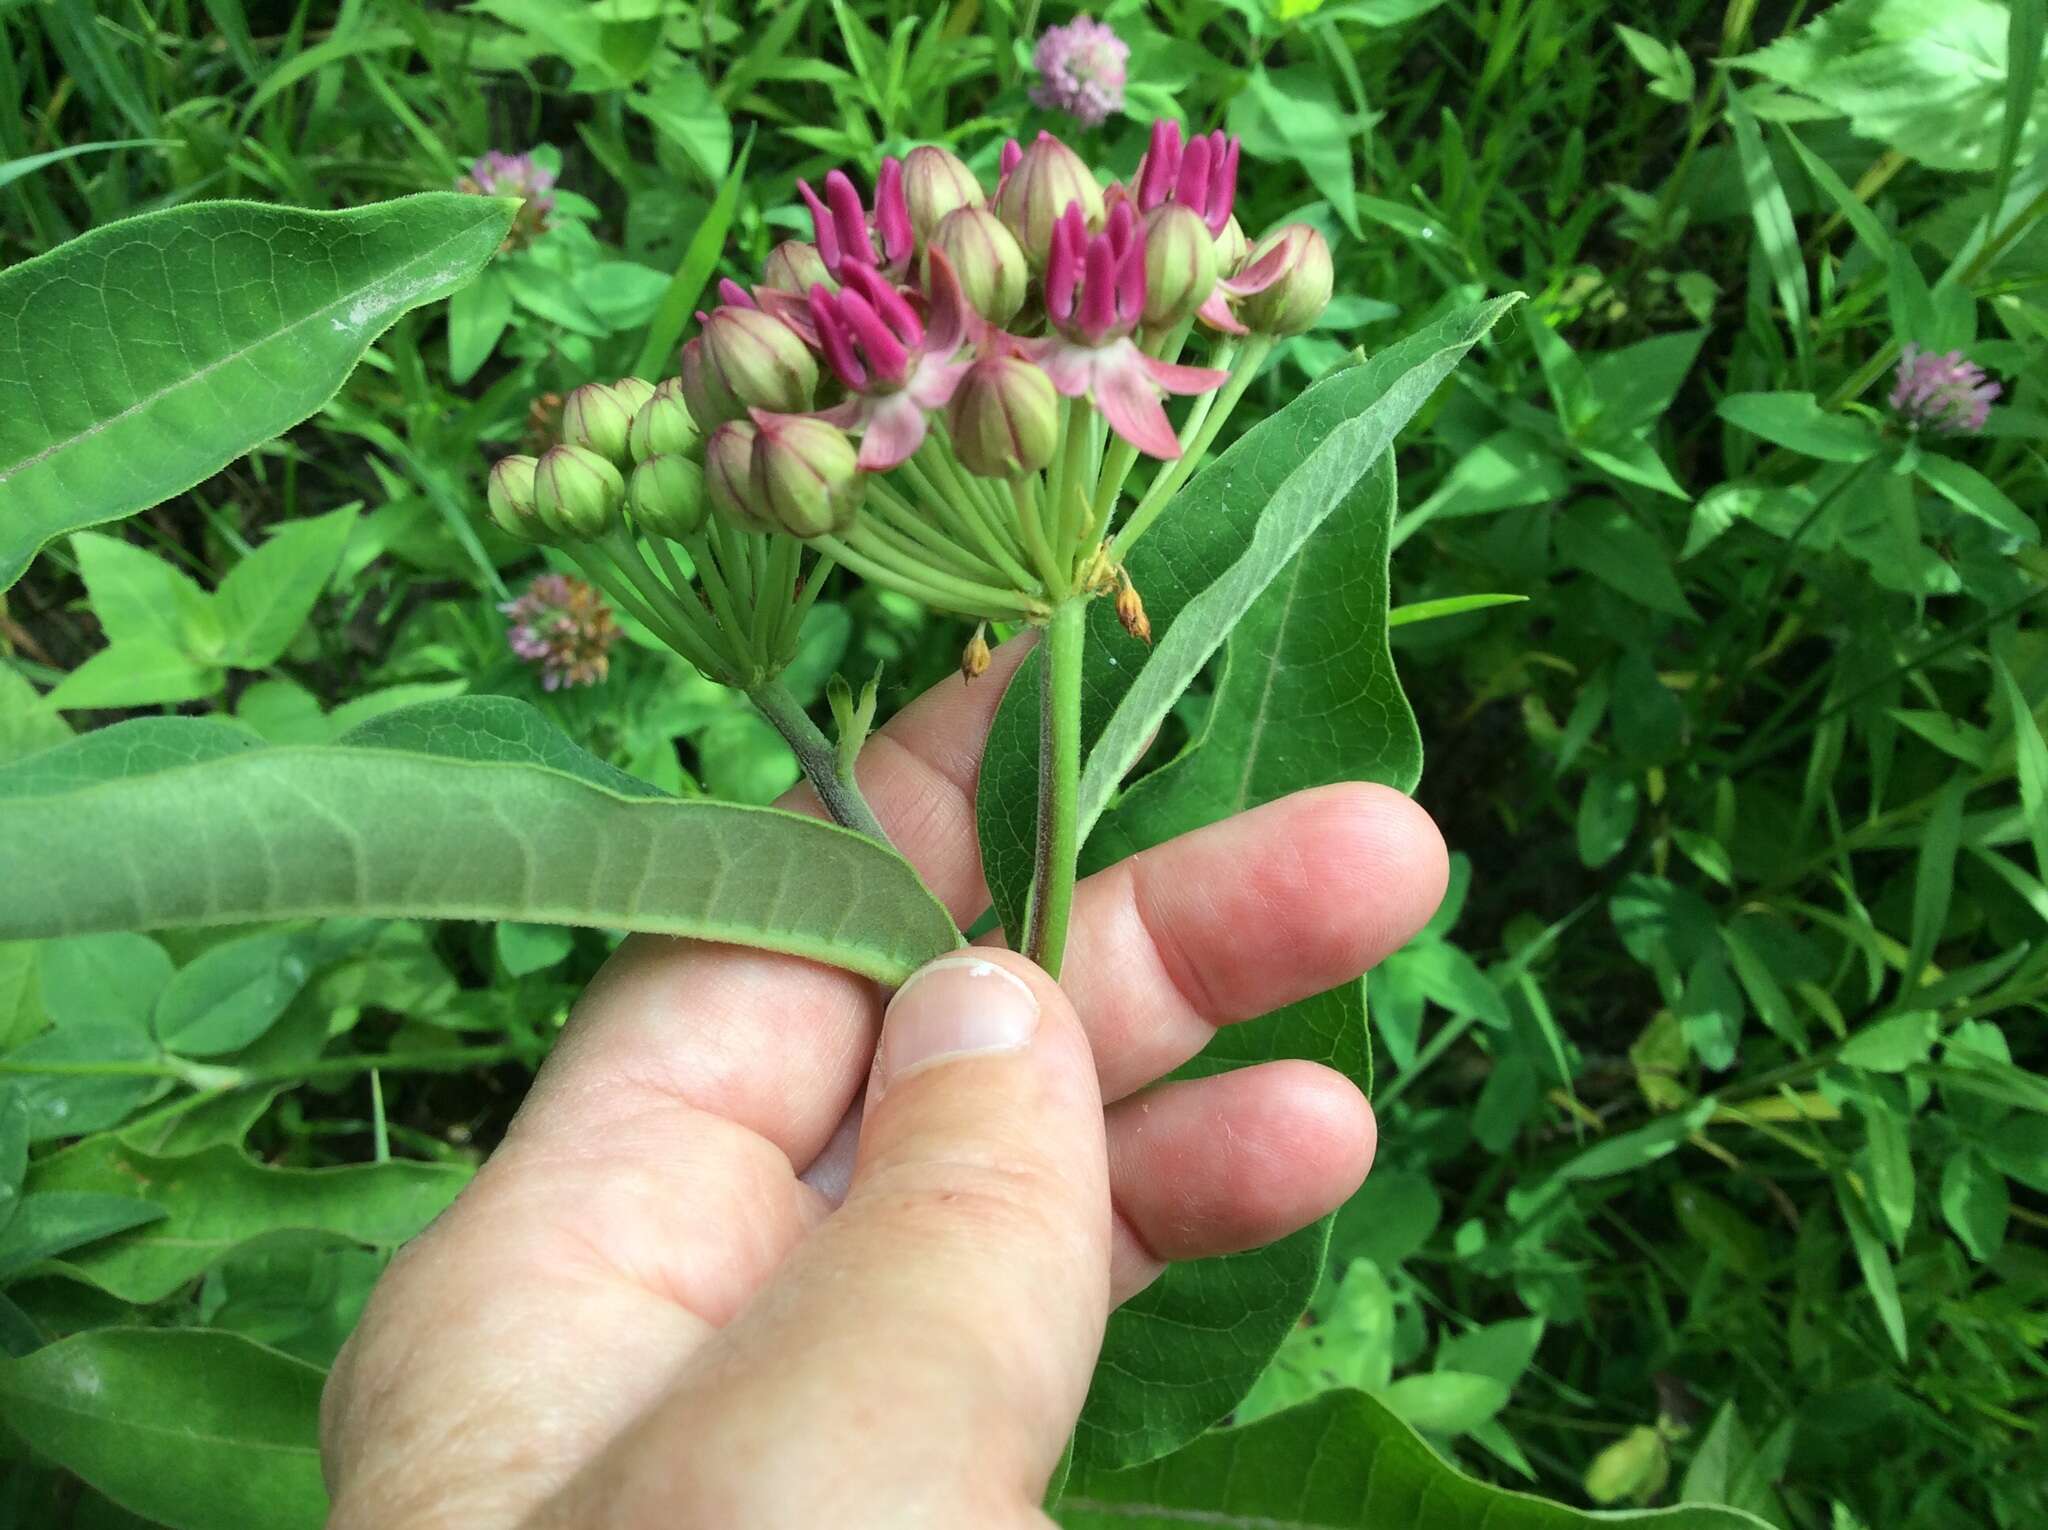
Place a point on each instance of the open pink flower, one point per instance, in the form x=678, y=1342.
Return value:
x=1095, y=296
x=894, y=366
x=845, y=233
x=1081, y=68
x=1201, y=174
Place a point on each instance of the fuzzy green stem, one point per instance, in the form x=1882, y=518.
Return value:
x=836, y=787
x=1059, y=782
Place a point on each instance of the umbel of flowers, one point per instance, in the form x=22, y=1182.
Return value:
x=946, y=391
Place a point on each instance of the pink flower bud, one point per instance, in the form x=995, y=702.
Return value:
x=793, y=266
x=762, y=362
x=1048, y=177
x=1300, y=293
x=668, y=497
x=936, y=182
x=597, y=416
x=988, y=260
x=663, y=425
x=710, y=401
x=1180, y=264
x=1004, y=418
x=806, y=474
x=577, y=493
x=728, y=474
x=510, y=496
x=1231, y=248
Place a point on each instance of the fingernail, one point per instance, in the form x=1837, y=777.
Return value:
x=961, y=1006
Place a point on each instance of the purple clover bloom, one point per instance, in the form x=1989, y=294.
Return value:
x=1081, y=70
x=1942, y=393
x=498, y=174
x=564, y=629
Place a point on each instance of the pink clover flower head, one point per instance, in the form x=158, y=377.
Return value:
x=1944, y=393
x=1081, y=69
x=1094, y=297
x=847, y=234
x=1201, y=174
x=563, y=628
x=498, y=174
x=894, y=365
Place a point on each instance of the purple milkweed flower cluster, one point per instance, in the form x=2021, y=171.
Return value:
x=563, y=628
x=1942, y=392
x=1081, y=70
x=498, y=174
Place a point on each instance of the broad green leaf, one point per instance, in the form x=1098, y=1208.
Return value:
x=234, y=321
x=1182, y=1353
x=213, y=1202
x=1308, y=697
x=1926, y=79
x=52, y=1222
x=1445, y=1402
x=112, y=979
x=116, y=830
x=28, y=723
x=1797, y=421
x=191, y=1429
x=1974, y=494
x=1293, y=113
x=142, y=673
x=1880, y=1278
x=78, y=1079
x=231, y=994
x=1975, y=1203
x=1229, y=532
x=685, y=110
x=1602, y=538
x=266, y=597
x=1342, y=1462
x=477, y=317
x=137, y=596
x=14, y=1124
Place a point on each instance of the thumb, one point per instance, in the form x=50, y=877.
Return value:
x=922, y=1357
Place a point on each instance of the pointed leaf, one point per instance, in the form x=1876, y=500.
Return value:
x=191, y=1429
x=148, y=354
x=478, y=819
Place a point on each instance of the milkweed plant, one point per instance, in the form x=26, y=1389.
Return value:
x=946, y=392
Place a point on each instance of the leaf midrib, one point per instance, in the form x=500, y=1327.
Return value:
x=149, y=401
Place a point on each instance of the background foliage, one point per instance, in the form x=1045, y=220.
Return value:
x=1715, y=1130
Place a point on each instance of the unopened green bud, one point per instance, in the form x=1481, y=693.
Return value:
x=806, y=478
x=794, y=266
x=1231, y=247
x=988, y=260
x=1004, y=417
x=1046, y=179
x=935, y=183
x=710, y=401
x=1180, y=264
x=663, y=425
x=668, y=497
x=728, y=473
x=636, y=391
x=510, y=496
x=577, y=493
x=598, y=416
x=1297, y=298
x=761, y=360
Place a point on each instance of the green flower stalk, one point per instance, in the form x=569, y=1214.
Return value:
x=945, y=393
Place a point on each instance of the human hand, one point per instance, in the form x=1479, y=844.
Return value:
x=651, y=1308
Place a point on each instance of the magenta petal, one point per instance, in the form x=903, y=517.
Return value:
x=895, y=430
x=1175, y=378
x=835, y=340
x=892, y=212
x=792, y=310
x=1012, y=153
x=730, y=291
x=1130, y=287
x=950, y=325
x=1192, y=188
x=883, y=297
x=1098, y=291
x=1222, y=186
x=1122, y=227
x=849, y=218
x=1127, y=401
x=1063, y=265
x=1215, y=312
x=1155, y=175
x=886, y=356
x=824, y=235
x=1259, y=275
